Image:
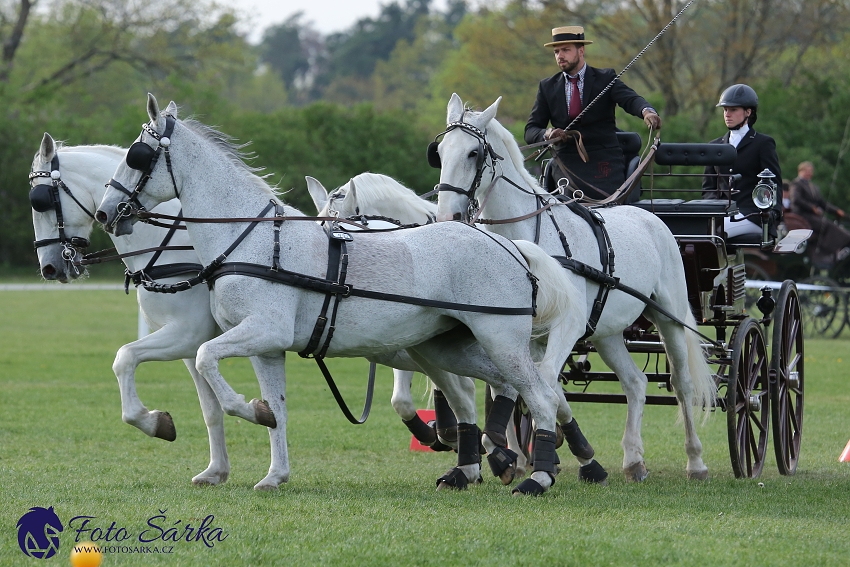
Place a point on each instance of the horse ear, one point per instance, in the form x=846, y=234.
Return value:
x=490, y=113
x=454, y=110
x=47, y=149
x=351, y=191
x=317, y=192
x=153, y=113
x=171, y=109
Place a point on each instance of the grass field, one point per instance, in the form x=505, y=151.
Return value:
x=357, y=495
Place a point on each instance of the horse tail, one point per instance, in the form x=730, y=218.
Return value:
x=556, y=294
x=702, y=378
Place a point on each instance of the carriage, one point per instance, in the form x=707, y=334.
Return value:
x=758, y=348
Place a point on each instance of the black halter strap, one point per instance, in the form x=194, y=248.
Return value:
x=44, y=196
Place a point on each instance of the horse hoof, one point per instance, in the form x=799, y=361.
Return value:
x=636, y=472
x=165, y=426
x=528, y=487
x=210, y=479
x=698, y=475
x=263, y=413
x=593, y=473
x=265, y=486
x=508, y=475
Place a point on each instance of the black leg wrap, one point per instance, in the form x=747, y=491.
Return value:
x=454, y=478
x=593, y=472
x=468, y=444
x=497, y=420
x=544, y=452
x=529, y=486
x=576, y=441
x=501, y=460
x=446, y=420
x=424, y=433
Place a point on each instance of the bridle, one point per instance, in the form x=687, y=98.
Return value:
x=485, y=151
x=143, y=157
x=44, y=197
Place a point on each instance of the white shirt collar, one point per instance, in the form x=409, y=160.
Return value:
x=735, y=136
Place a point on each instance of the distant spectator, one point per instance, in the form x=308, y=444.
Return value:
x=831, y=241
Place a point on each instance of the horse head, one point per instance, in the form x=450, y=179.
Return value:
x=464, y=155
x=61, y=201
x=151, y=185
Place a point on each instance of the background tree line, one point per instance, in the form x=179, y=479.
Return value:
x=371, y=97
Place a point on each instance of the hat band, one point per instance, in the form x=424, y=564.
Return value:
x=568, y=37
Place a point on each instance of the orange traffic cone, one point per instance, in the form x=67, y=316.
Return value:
x=845, y=455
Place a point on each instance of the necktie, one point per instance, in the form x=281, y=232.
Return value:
x=575, y=98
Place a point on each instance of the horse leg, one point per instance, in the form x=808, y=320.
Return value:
x=219, y=468
x=271, y=374
x=167, y=343
x=502, y=459
x=242, y=341
x=561, y=339
x=460, y=395
x=692, y=381
x=402, y=402
x=613, y=352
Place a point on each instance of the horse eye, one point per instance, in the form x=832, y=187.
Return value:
x=473, y=153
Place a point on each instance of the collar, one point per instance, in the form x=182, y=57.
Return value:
x=735, y=136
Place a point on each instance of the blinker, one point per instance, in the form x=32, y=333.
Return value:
x=41, y=198
x=434, y=155
x=140, y=156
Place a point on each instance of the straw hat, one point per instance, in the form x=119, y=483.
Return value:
x=567, y=34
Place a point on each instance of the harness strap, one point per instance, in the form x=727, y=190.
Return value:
x=370, y=389
x=346, y=290
x=609, y=282
x=159, y=272
x=335, y=250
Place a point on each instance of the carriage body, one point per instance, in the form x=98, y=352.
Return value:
x=757, y=354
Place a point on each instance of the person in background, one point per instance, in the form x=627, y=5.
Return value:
x=562, y=97
x=756, y=152
x=831, y=242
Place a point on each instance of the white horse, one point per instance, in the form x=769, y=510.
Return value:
x=647, y=259
x=180, y=324
x=265, y=319
x=375, y=194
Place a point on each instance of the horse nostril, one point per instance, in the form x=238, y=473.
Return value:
x=100, y=217
x=48, y=272
x=457, y=216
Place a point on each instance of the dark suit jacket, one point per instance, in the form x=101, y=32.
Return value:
x=805, y=196
x=755, y=153
x=597, y=126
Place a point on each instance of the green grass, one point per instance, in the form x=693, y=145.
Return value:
x=357, y=495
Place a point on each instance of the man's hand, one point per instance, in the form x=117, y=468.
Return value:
x=652, y=120
x=555, y=134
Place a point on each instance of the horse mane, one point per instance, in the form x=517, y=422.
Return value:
x=234, y=152
x=374, y=188
x=510, y=144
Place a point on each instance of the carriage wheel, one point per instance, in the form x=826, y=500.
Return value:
x=786, y=379
x=747, y=394
x=824, y=312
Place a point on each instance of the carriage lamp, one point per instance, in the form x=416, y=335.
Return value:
x=764, y=195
